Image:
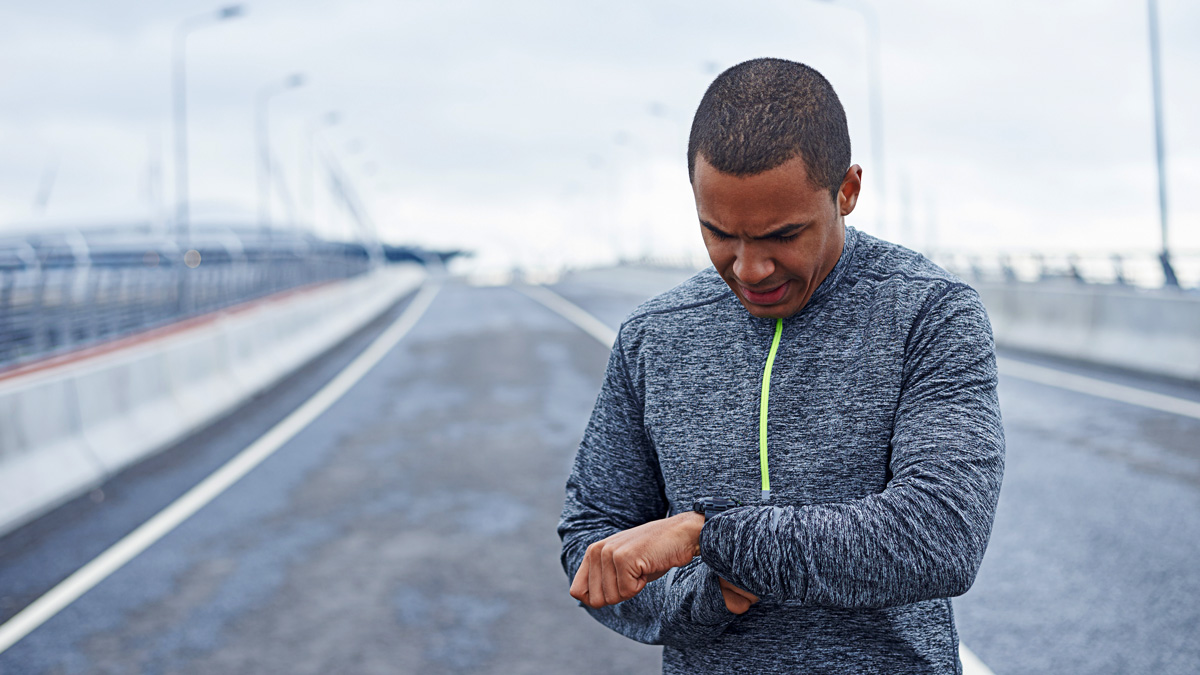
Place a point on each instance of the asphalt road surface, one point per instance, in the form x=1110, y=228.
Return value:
x=410, y=528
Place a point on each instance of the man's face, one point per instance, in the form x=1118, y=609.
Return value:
x=773, y=236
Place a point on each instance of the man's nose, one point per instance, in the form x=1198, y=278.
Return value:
x=751, y=267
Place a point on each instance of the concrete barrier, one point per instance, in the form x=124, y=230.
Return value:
x=1156, y=332
x=42, y=447
x=66, y=428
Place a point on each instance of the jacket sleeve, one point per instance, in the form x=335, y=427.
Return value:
x=925, y=534
x=615, y=485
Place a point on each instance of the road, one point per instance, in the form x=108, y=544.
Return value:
x=410, y=528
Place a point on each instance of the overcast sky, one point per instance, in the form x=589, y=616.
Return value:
x=540, y=131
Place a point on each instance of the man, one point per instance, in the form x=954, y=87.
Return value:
x=838, y=391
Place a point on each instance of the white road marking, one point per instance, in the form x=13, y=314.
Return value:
x=607, y=336
x=120, y=553
x=971, y=663
x=573, y=313
x=1100, y=388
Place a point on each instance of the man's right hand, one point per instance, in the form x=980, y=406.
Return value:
x=617, y=568
x=736, y=600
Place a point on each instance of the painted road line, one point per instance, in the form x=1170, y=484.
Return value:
x=1099, y=388
x=572, y=312
x=607, y=336
x=120, y=553
x=971, y=664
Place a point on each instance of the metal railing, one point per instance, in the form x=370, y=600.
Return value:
x=66, y=290
x=1132, y=269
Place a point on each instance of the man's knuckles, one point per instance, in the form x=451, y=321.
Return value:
x=621, y=556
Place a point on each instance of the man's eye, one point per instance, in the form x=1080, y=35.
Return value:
x=787, y=237
x=720, y=235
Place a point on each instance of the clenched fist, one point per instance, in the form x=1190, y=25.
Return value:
x=617, y=568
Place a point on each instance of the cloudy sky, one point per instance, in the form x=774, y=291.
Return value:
x=541, y=132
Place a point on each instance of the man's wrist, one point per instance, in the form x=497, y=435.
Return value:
x=691, y=523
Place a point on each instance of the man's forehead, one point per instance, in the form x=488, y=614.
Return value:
x=760, y=203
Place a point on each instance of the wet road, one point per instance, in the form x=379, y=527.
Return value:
x=410, y=528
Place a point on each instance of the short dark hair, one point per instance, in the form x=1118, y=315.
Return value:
x=761, y=113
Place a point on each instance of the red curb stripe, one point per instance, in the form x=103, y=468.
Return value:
x=153, y=334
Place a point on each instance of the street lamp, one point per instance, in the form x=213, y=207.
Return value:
x=179, y=85
x=874, y=100
x=1169, y=277
x=263, y=136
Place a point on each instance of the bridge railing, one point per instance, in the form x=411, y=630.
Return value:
x=1133, y=269
x=64, y=291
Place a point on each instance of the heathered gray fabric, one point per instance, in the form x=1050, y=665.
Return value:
x=886, y=454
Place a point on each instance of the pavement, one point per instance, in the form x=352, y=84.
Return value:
x=411, y=527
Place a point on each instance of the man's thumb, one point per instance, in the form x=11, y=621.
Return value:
x=629, y=585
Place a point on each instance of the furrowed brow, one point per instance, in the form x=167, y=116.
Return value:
x=773, y=234
x=782, y=232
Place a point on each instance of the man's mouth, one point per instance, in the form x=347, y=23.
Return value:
x=767, y=297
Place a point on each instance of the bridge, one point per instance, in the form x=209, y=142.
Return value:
x=358, y=467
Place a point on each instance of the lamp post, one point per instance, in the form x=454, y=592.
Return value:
x=179, y=87
x=874, y=100
x=263, y=136
x=1169, y=277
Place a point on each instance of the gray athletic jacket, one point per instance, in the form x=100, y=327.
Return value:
x=886, y=453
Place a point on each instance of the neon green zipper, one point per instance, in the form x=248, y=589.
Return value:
x=763, y=468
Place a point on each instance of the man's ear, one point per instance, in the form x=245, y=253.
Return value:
x=847, y=196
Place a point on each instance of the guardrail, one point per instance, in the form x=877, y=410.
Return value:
x=67, y=426
x=1113, y=309
x=66, y=290
x=1124, y=268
